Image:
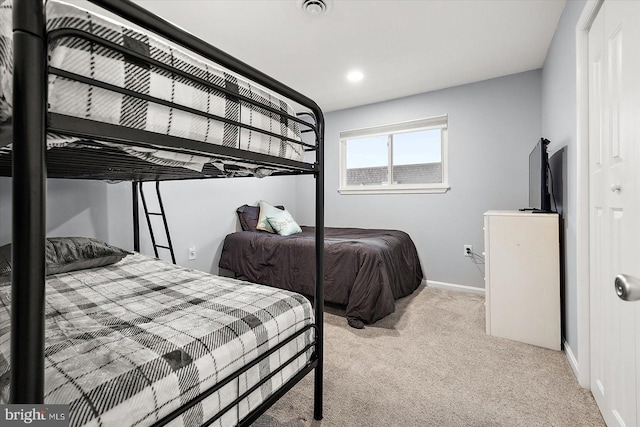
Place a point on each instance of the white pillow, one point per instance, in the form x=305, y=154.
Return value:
x=280, y=221
x=263, y=223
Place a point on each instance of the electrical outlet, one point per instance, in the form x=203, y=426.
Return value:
x=468, y=250
x=192, y=253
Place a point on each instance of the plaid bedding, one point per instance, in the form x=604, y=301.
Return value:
x=96, y=62
x=128, y=343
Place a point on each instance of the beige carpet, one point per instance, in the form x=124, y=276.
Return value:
x=431, y=364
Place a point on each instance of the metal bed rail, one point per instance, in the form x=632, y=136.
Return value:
x=29, y=176
x=91, y=129
x=236, y=375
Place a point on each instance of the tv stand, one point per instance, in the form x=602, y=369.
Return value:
x=522, y=279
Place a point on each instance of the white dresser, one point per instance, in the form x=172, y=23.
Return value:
x=522, y=279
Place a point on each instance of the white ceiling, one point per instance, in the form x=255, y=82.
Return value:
x=403, y=47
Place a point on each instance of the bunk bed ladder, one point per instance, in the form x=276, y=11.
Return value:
x=156, y=246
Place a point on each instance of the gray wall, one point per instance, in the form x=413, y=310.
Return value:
x=200, y=213
x=493, y=125
x=75, y=208
x=559, y=124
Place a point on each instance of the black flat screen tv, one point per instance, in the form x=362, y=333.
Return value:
x=539, y=196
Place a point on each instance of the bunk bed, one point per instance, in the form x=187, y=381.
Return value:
x=43, y=135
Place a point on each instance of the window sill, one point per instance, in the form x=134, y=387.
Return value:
x=391, y=190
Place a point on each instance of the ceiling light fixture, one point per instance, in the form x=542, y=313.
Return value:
x=315, y=7
x=355, y=76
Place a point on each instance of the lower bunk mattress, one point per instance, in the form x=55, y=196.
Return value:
x=128, y=343
x=365, y=270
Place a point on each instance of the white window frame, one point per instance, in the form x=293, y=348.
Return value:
x=438, y=122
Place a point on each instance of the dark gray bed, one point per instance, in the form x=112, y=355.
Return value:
x=366, y=270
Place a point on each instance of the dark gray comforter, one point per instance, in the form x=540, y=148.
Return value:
x=365, y=270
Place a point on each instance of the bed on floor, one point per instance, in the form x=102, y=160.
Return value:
x=136, y=341
x=365, y=270
x=131, y=342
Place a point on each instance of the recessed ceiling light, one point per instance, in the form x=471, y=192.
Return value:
x=315, y=7
x=355, y=76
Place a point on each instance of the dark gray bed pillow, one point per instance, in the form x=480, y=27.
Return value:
x=248, y=216
x=64, y=254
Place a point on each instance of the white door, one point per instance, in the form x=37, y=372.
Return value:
x=614, y=168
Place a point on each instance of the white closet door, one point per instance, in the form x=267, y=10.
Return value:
x=614, y=164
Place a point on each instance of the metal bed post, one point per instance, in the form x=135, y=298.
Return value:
x=319, y=297
x=28, y=204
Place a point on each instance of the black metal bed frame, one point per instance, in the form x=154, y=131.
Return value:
x=30, y=162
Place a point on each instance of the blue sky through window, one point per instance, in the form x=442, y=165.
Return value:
x=408, y=148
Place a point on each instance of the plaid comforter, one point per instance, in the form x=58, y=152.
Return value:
x=96, y=62
x=128, y=343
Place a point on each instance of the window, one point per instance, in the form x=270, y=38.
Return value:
x=408, y=157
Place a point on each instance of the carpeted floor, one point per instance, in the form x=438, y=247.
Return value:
x=431, y=364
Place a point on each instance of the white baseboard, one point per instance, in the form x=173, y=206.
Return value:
x=454, y=287
x=573, y=362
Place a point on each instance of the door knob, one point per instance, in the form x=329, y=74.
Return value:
x=615, y=187
x=627, y=287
